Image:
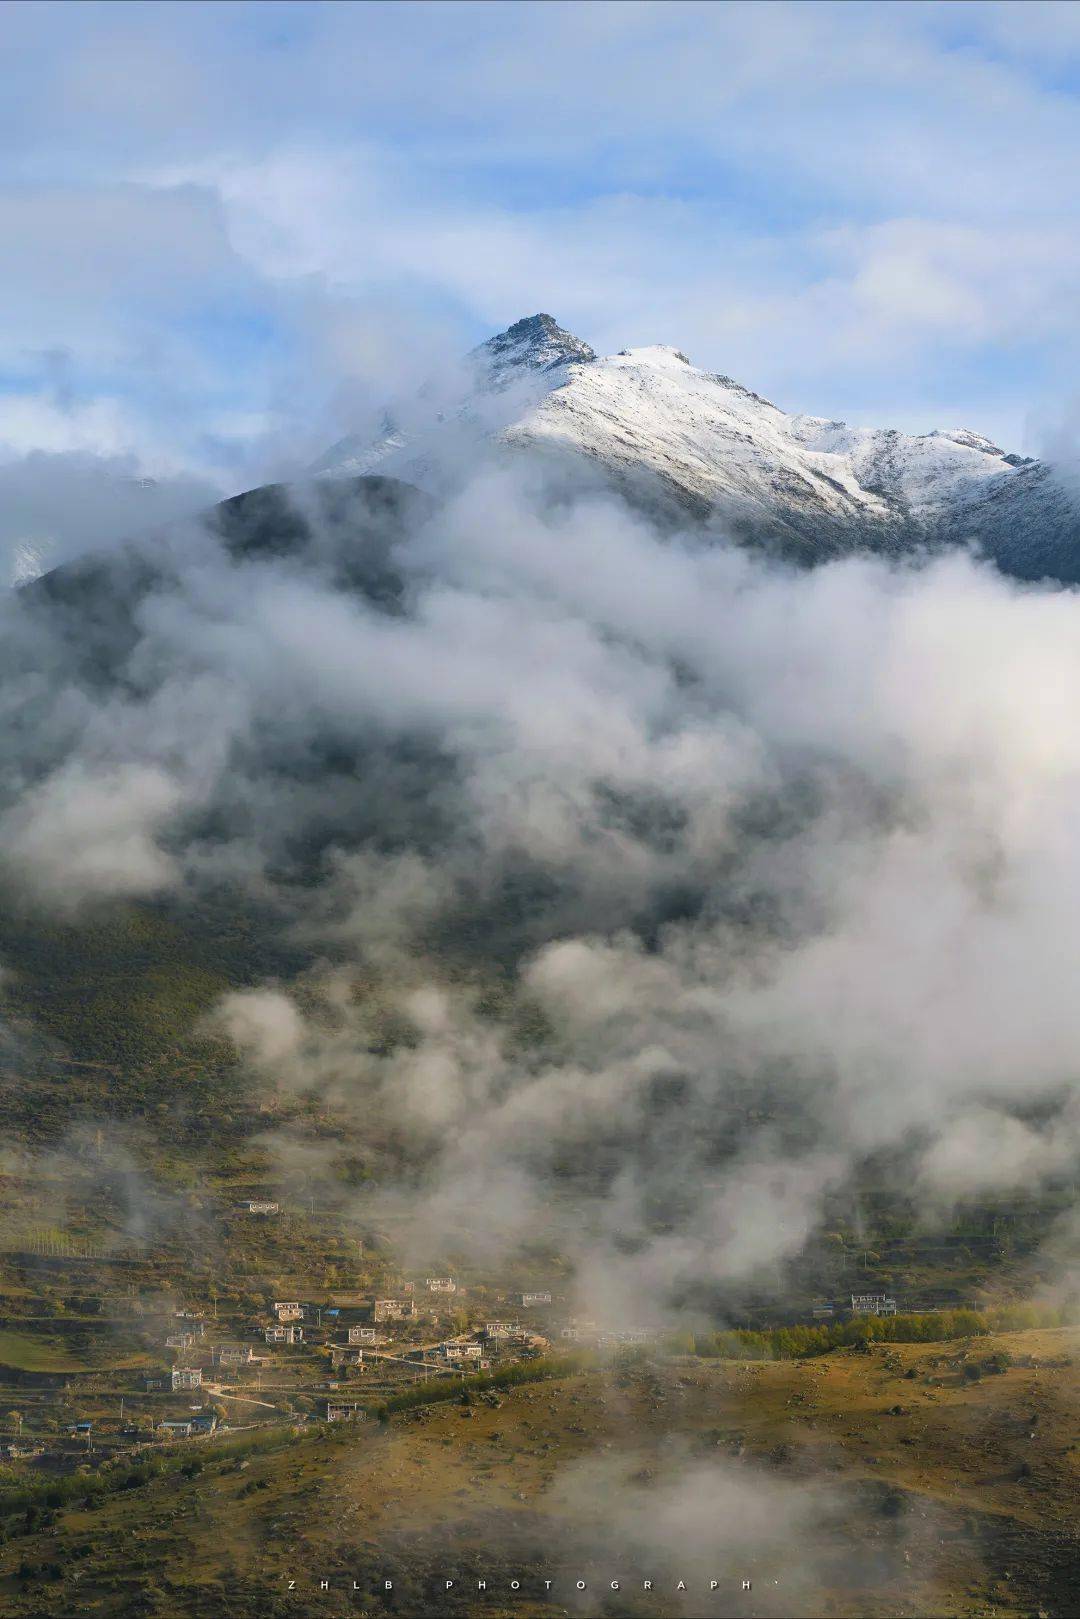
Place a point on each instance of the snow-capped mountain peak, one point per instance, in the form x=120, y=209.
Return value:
x=497, y=379
x=694, y=445
x=537, y=343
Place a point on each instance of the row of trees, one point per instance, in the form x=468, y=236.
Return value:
x=463, y=1388
x=937, y=1326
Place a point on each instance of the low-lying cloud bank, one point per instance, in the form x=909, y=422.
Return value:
x=688, y=881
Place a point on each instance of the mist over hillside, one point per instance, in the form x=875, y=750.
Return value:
x=639, y=887
x=539, y=787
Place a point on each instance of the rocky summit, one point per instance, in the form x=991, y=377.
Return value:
x=696, y=446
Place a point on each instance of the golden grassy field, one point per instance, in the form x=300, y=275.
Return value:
x=892, y=1482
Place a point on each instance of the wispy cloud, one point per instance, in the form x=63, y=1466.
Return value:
x=216, y=211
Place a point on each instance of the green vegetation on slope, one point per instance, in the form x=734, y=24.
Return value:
x=936, y=1326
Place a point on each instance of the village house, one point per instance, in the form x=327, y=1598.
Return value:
x=530, y=1300
x=459, y=1352
x=179, y=1340
x=345, y=1411
x=205, y=1422
x=289, y=1312
x=185, y=1377
x=285, y=1333
x=175, y=1430
x=361, y=1335
x=500, y=1329
x=233, y=1354
x=393, y=1310
x=440, y=1284
x=255, y=1205
x=190, y=1323
x=157, y=1385
x=872, y=1304
x=346, y=1357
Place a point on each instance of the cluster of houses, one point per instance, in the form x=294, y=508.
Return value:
x=288, y=1328
x=292, y=1319
x=195, y=1349
x=475, y=1350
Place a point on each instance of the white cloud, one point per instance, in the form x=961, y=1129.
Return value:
x=86, y=834
x=858, y=785
x=815, y=197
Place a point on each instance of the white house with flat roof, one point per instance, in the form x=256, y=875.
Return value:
x=872, y=1304
x=345, y=1411
x=233, y=1354
x=455, y=1352
x=286, y=1332
x=393, y=1310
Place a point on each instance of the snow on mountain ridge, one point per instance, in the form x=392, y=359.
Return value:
x=964, y=436
x=651, y=408
x=703, y=445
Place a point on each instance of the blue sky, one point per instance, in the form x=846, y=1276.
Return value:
x=232, y=230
